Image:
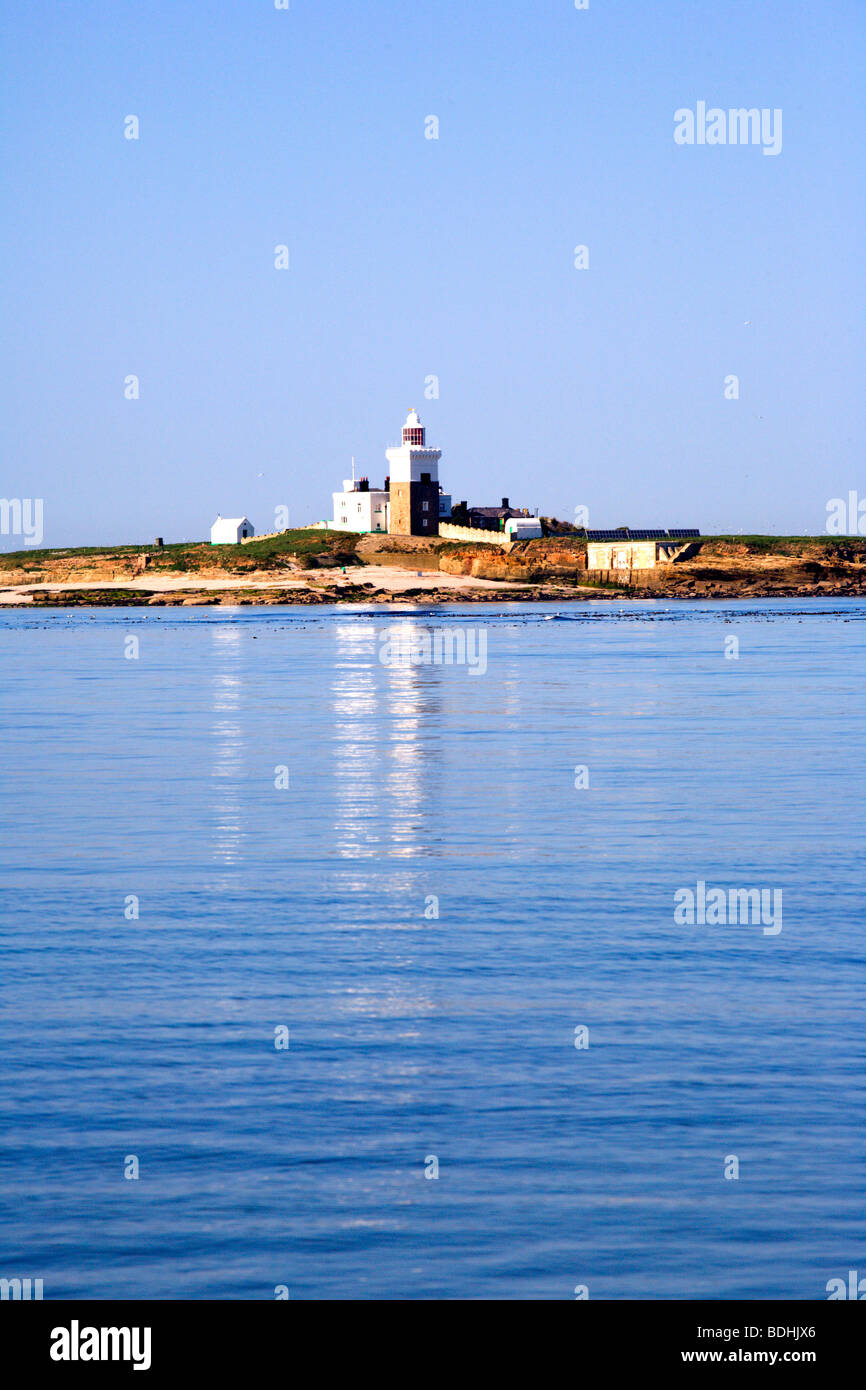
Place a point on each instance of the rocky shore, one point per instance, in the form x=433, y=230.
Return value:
x=313, y=568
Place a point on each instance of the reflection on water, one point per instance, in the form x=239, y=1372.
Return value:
x=385, y=725
x=378, y=750
x=514, y=727
x=228, y=743
x=406, y=782
x=355, y=700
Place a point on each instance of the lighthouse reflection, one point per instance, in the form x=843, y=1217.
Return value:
x=407, y=704
x=355, y=701
x=228, y=758
x=386, y=721
x=385, y=730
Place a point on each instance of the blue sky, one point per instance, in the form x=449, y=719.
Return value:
x=412, y=257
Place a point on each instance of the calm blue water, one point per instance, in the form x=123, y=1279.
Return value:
x=414, y=1036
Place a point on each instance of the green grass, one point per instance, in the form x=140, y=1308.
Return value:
x=192, y=556
x=25, y=559
x=451, y=547
x=571, y=541
x=297, y=542
x=788, y=545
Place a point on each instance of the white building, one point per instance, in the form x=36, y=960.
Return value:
x=360, y=508
x=231, y=530
x=522, y=528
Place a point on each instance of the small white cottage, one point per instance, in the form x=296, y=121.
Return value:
x=231, y=530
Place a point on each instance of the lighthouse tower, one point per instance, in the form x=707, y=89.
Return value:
x=414, y=473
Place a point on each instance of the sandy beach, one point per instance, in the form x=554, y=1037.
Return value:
x=376, y=580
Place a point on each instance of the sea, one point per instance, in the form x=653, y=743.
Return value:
x=346, y=952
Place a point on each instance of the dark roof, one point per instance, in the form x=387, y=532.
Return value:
x=498, y=511
x=628, y=533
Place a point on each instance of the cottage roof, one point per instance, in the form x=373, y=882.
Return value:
x=499, y=511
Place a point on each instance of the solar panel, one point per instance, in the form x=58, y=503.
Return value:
x=626, y=533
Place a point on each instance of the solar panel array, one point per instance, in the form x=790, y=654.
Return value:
x=626, y=533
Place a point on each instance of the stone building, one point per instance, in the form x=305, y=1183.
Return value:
x=498, y=519
x=628, y=549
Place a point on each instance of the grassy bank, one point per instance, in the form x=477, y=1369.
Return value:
x=275, y=552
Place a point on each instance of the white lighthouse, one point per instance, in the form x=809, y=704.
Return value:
x=414, y=482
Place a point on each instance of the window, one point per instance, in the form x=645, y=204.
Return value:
x=425, y=477
x=424, y=522
x=425, y=506
x=359, y=506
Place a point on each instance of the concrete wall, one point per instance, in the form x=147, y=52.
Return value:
x=475, y=534
x=622, y=556
x=266, y=536
x=627, y=555
x=623, y=577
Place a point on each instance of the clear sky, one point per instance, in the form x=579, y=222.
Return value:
x=413, y=257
